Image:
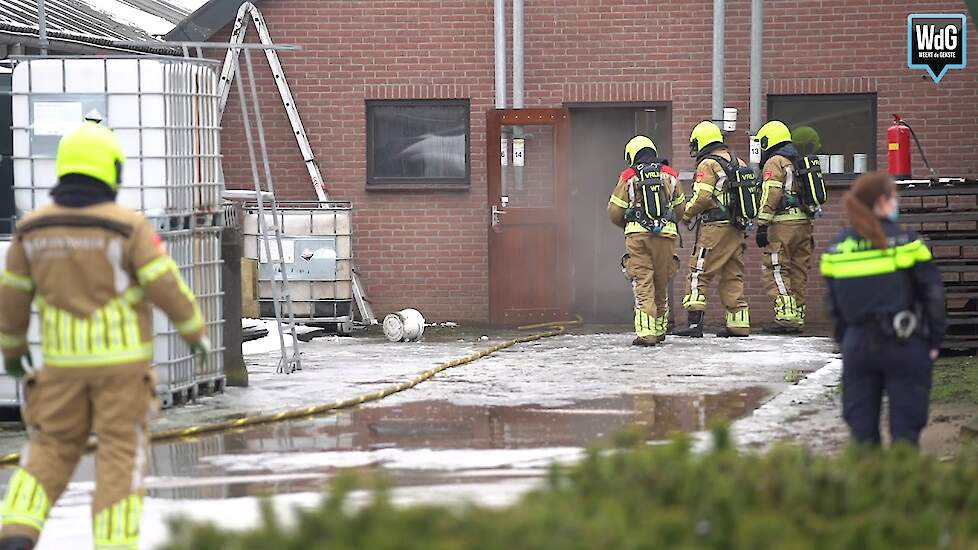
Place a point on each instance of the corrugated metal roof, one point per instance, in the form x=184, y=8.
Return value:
x=71, y=17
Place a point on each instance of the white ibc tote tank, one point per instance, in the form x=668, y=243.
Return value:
x=165, y=112
x=167, y=116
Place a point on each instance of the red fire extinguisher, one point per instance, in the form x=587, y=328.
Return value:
x=898, y=145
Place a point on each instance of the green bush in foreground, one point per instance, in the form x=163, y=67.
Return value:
x=639, y=497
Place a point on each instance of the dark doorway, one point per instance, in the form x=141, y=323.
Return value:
x=598, y=136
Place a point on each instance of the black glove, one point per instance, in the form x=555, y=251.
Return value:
x=761, y=237
x=14, y=366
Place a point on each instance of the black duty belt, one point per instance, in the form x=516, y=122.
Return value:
x=901, y=325
x=715, y=215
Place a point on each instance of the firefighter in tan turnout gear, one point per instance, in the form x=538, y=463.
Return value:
x=719, y=247
x=92, y=268
x=646, y=203
x=784, y=229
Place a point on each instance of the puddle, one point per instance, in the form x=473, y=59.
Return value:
x=417, y=444
x=425, y=442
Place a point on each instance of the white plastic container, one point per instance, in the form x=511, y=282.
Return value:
x=165, y=113
x=9, y=388
x=317, y=249
x=837, y=164
x=860, y=161
x=406, y=325
x=198, y=253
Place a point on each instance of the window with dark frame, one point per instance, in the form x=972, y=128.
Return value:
x=422, y=143
x=841, y=128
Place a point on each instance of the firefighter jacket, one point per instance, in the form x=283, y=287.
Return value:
x=868, y=286
x=92, y=272
x=779, y=197
x=709, y=196
x=621, y=199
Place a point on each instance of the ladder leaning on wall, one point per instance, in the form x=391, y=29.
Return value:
x=230, y=67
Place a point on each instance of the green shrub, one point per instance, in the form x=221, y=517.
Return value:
x=641, y=497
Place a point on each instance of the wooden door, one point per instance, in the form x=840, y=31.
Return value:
x=529, y=259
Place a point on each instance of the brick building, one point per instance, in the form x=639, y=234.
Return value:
x=372, y=74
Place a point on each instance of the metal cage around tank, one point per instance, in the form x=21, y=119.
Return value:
x=165, y=111
x=194, y=243
x=318, y=240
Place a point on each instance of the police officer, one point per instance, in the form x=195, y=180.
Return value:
x=784, y=230
x=887, y=300
x=719, y=247
x=645, y=203
x=93, y=268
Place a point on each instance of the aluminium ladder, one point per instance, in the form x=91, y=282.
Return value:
x=287, y=363
x=309, y=158
x=281, y=294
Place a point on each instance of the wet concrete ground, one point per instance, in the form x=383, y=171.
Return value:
x=484, y=432
x=433, y=442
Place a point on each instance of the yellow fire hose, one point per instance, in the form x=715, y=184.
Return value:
x=245, y=420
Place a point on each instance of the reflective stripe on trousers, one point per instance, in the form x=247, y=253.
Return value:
x=26, y=502
x=776, y=269
x=117, y=527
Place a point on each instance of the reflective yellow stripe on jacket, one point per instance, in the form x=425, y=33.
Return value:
x=164, y=265
x=109, y=336
x=15, y=281
x=851, y=259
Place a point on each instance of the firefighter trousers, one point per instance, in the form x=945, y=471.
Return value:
x=63, y=406
x=652, y=262
x=785, y=269
x=719, y=252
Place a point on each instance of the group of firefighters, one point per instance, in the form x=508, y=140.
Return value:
x=95, y=268
x=649, y=201
x=885, y=294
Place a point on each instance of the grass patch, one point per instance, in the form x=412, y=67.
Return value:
x=955, y=380
x=639, y=497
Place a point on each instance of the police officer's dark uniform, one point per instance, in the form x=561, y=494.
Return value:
x=889, y=313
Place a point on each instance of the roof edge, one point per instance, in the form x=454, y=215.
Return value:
x=86, y=39
x=205, y=21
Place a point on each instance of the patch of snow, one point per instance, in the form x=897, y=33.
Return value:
x=270, y=343
x=129, y=15
x=448, y=460
x=806, y=412
x=69, y=524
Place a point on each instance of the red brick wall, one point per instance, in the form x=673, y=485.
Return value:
x=429, y=248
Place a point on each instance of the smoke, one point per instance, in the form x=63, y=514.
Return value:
x=600, y=291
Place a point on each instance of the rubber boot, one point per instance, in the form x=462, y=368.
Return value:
x=695, y=328
x=648, y=342
x=16, y=543
x=725, y=333
x=776, y=328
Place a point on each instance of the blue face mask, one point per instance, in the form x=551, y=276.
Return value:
x=893, y=216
